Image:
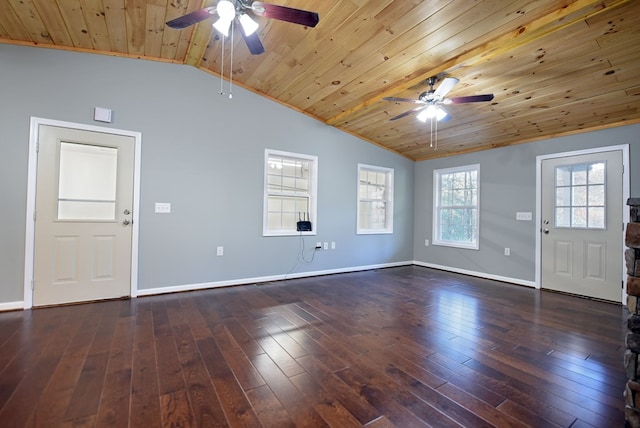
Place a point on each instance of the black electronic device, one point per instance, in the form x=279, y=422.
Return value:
x=303, y=224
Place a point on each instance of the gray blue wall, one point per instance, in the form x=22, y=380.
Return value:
x=204, y=154
x=507, y=186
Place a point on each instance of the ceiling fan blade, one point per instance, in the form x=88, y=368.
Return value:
x=407, y=113
x=470, y=99
x=403, y=100
x=446, y=85
x=191, y=18
x=283, y=13
x=253, y=42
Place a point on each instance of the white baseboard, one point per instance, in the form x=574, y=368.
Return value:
x=11, y=306
x=262, y=279
x=478, y=274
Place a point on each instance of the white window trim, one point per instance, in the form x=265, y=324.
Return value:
x=313, y=194
x=436, y=207
x=388, y=229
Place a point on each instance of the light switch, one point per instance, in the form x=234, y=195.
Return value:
x=163, y=207
x=523, y=216
x=219, y=251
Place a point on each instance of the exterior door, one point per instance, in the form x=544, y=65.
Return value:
x=83, y=233
x=582, y=222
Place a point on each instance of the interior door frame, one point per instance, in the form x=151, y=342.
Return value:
x=625, y=196
x=32, y=169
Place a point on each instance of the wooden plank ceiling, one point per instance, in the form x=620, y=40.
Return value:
x=555, y=67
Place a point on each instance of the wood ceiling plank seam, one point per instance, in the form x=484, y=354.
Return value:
x=352, y=67
x=304, y=53
x=276, y=42
x=357, y=62
x=271, y=38
x=331, y=44
x=54, y=24
x=175, y=43
x=621, y=16
x=4, y=34
x=94, y=17
x=596, y=73
x=135, y=18
x=200, y=37
x=415, y=53
x=504, y=43
x=71, y=11
x=28, y=15
x=154, y=29
x=575, y=53
x=581, y=109
x=346, y=101
x=115, y=19
x=13, y=25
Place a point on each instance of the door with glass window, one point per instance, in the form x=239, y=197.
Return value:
x=582, y=225
x=83, y=233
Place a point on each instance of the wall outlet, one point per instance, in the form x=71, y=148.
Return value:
x=318, y=245
x=507, y=251
x=326, y=246
x=426, y=242
x=163, y=207
x=333, y=245
x=219, y=251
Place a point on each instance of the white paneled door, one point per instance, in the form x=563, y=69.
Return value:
x=582, y=222
x=83, y=232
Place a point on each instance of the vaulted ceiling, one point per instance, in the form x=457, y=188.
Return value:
x=555, y=67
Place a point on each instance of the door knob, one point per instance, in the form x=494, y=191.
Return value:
x=126, y=222
x=546, y=231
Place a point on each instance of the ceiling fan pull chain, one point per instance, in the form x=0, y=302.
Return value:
x=436, y=136
x=231, y=62
x=222, y=68
x=431, y=133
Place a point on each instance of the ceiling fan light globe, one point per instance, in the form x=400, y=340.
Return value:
x=440, y=114
x=222, y=25
x=423, y=115
x=248, y=25
x=226, y=10
x=431, y=111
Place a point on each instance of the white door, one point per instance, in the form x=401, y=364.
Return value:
x=582, y=222
x=83, y=233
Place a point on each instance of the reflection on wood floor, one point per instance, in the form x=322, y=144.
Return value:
x=403, y=347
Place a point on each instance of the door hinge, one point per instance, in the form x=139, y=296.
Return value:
x=38, y=147
x=33, y=284
x=34, y=215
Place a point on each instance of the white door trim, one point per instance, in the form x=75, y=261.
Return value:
x=625, y=211
x=32, y=169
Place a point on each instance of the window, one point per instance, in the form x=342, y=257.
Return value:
x=580, y=191
x=456, y=206
x=289, y=192
x=87, y=182
x=375, y=199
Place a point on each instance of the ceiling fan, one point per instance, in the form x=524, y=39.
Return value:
x=230, y=10
x=432, y=100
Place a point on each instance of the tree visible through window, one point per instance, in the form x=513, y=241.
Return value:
x=580, y=196
x=456, y=206
x=289, y=194
x=375, y=199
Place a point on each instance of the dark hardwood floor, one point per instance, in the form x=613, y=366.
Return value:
x=403, y=347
